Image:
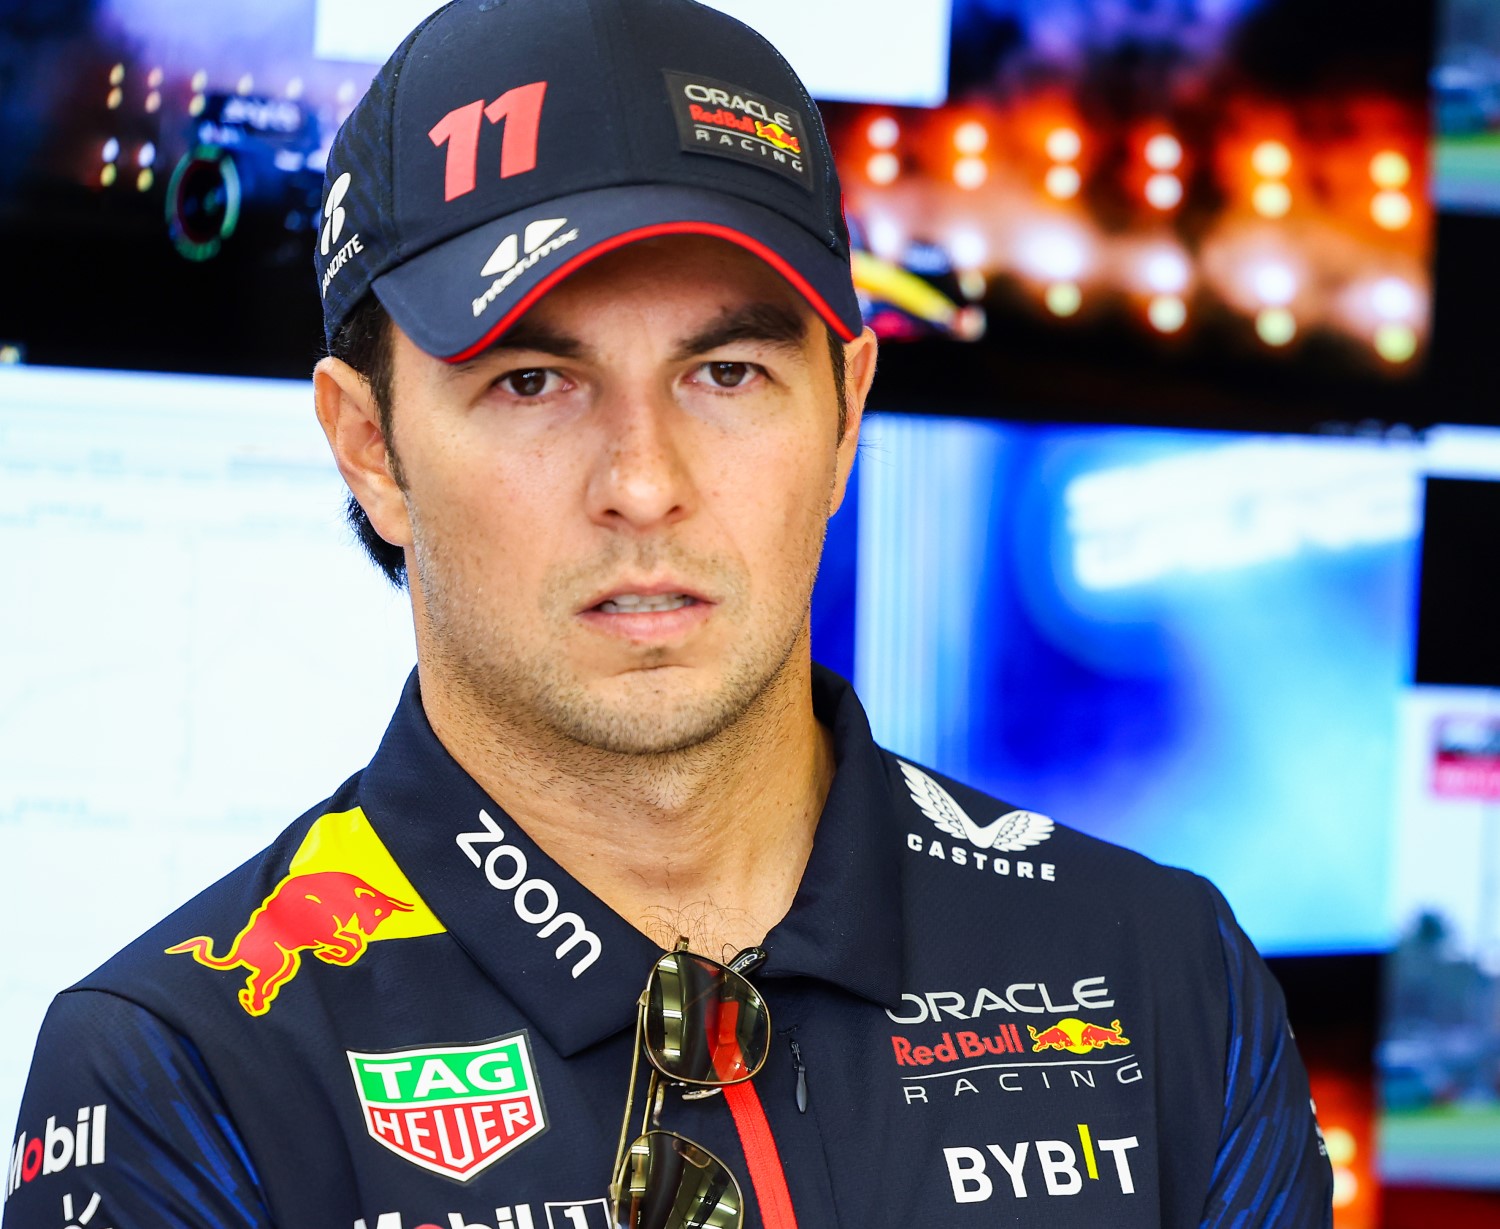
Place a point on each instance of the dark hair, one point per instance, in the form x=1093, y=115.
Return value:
x=364, y=342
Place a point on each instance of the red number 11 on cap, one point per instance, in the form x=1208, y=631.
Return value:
x=521, y=108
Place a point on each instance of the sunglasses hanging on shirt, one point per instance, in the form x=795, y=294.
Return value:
x=700, y=1024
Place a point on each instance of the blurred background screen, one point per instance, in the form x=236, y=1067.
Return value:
x=1175, y=518
x=1186, y=211
x=1466, y=107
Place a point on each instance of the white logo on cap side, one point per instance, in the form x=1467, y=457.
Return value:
x=334, y=212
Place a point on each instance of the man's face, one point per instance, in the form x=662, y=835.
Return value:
x=614, y=518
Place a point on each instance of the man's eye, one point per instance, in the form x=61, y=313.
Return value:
x=729, y=375
x=532, y=382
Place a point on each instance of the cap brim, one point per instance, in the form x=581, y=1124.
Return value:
x=458, y=297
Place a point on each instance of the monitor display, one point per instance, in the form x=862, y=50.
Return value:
x=1177, y=197
x=1466, y=107
x=1439, y=1054
x=192, y=652
x=1191, y=643
x=1211, y=212
x=161, y=184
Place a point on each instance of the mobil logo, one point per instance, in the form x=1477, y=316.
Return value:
x=58, y=1147
x=454, y=1110
x=534, y=899
x=565, y=1214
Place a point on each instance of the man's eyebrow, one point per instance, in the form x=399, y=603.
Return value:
x=532, y=337
x=768, y=323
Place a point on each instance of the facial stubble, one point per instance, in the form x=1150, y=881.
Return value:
x=535, y=696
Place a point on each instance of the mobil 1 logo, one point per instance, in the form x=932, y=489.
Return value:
x=60, y=1146
x=454, y=1110
x=566, y=1214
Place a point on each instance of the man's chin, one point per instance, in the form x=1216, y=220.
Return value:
x=653, y=727
x=654, y=712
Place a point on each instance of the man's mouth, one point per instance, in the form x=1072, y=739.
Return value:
x=636, y=603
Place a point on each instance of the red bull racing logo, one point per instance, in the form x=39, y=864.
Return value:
x=341, y=888
x=774, y=134
x=729, y=121
x=1077, y=1036
x=328, y=913
x=1008, y=1058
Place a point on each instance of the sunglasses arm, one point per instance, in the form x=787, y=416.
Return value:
x=635, y=1066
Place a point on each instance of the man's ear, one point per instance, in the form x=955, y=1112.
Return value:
x=859, y=374
x=347, y=414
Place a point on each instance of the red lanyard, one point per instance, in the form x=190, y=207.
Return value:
x=759, y=1145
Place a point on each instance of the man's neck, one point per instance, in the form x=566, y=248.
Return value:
x=709, y=842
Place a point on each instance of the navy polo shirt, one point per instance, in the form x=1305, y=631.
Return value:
x=404, y=1015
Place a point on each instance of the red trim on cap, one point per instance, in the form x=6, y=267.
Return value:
x=754, y=246
x=764, y=1162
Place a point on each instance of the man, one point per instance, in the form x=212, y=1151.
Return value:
x=596, y=385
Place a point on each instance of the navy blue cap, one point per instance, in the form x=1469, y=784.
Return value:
x=508, y=142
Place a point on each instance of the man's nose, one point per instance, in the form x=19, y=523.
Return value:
x=643, y=477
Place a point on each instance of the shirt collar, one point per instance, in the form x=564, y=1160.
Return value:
x=571, y=964
x=845, y=923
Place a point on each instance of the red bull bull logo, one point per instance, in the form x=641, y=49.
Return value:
x=776, y=135
x=331, y=914
x=1077, y=1036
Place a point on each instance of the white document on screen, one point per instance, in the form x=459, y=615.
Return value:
x=193, y=652
x=885, y=51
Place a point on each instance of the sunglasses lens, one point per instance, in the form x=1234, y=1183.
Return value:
x=705, y=1024
x=668, y=1182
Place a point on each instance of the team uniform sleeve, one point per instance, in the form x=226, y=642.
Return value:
x=121, y=1127
x=1272, y=1167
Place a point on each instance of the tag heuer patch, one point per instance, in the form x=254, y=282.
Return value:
x=714, y=117
x=452, y=1109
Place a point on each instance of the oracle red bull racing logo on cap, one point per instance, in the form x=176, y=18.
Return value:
x=714, y=117
x=454, y=1110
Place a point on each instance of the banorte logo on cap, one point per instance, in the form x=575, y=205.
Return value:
x=334, y=215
